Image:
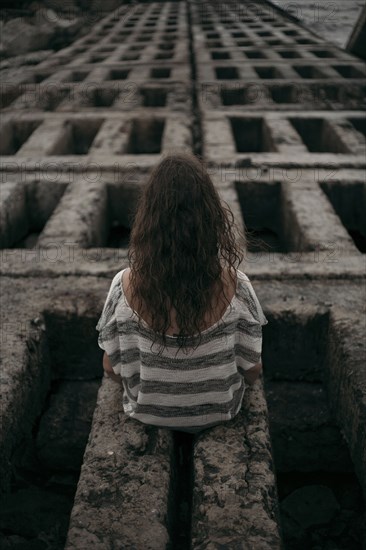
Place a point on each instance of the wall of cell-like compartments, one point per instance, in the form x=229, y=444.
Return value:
x=276, y=113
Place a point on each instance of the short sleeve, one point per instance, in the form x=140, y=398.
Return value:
x=254, y=305
x=108, y=338
x=249, y=336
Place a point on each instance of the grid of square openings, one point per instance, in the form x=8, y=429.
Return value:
x=255, y=51
x=318, y=134
x=313, y=94
x=154, y=39
x=274, y=71
x=142, y=26
x=76, y=136
x=242, y=18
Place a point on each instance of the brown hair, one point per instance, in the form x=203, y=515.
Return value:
x=182, y=237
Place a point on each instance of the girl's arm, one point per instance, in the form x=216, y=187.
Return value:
x=107, y=366
x=251, y=375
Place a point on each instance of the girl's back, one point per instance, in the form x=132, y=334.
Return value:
x=182, y=324
x=190, y=389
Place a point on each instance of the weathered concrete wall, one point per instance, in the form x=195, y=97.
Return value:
x=356, y=42
x=122, y=497
x=234, y=496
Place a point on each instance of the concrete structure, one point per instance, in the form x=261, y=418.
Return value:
x=277, y=115
x=356, y=42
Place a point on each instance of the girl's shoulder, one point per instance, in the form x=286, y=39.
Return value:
x=241, y=275
x=117, y=287
x=246, y=294
x=115, y=293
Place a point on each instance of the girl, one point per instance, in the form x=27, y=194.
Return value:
x=182, y=326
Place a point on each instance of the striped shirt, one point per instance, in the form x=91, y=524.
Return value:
x=179, y=390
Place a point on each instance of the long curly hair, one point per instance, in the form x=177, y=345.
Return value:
x=183, y=236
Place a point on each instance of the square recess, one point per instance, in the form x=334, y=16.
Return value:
x=234, y=96
x=348, y=71
x=40, y=77
x=97, y=58
x=308, y=71
x=290, y=32
x=49, y=100
x=146, y=136
x=64, y=373
x=118, y=235
x=274, y=42
x=101, y=97
x=308, y=446
x=244, y=94
x=214, y=44
x=261, y=207
x=301, y=355
x=160, y=72
x=33, y=205
x=169, y=37
x=318, y=135
x=14, y=134
x=122, y=202
x=164, y=55
x=77, y=137
x=268, y=72
x=348, y=200
x=144, y=38
x=255, y=54
x=154, y=97
x=73, y=345
x=9, y=93
x=289, y=54
x=251, y=135
x=322, y=53
x=220, y=55
x=283, y=93
x=166, y=46
x=130, y=57
x=118, y=74
x=76, y=76
x=359, y=124
x=226, y=73
x=305, y=41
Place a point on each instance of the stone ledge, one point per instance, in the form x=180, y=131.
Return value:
x=122, y=494
x=346, y=383
x=235, y=497
x=127, y=469
x=70, y=260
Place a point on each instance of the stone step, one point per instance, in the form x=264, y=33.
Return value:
x=123, y=489
x=129, y=482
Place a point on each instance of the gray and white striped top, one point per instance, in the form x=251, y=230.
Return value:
x=180, y=391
